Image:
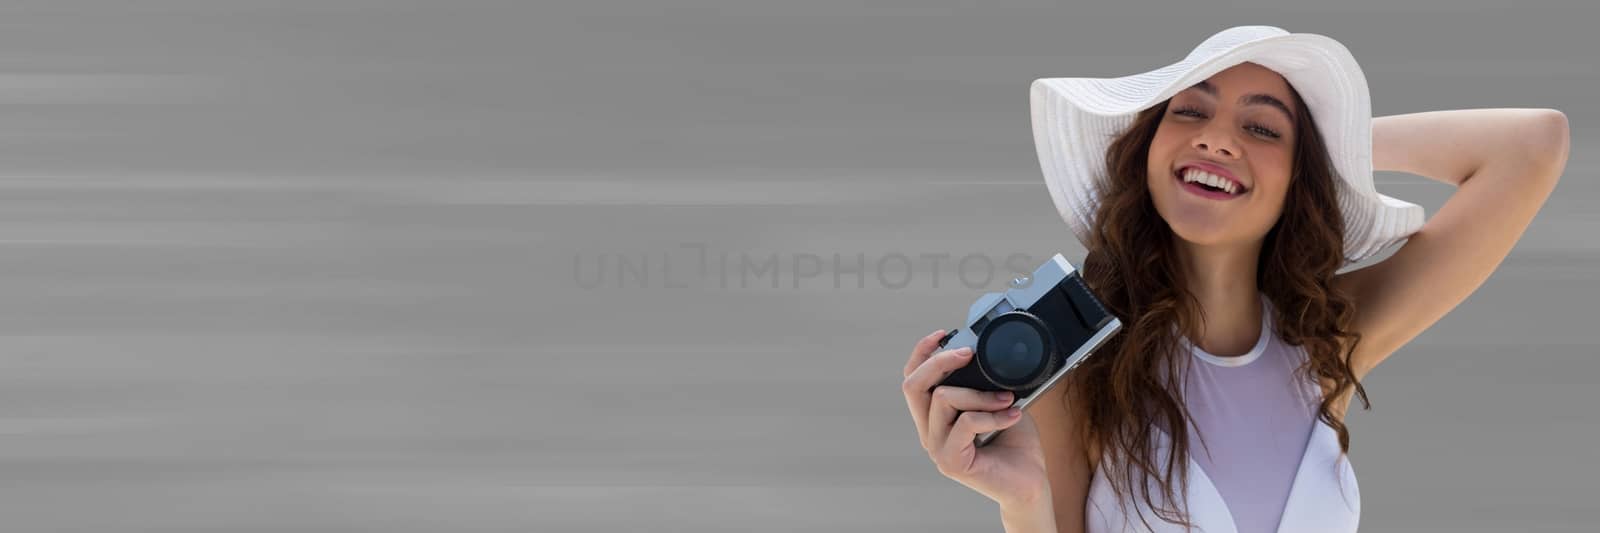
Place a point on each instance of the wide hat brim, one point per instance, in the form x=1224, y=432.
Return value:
x=1075, y=120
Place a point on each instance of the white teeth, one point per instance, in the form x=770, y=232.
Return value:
x=1193, y=175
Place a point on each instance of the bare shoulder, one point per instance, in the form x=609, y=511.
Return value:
x=1070, y=458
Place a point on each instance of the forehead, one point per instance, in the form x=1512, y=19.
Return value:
x=1249, y=84
x=1250, y=78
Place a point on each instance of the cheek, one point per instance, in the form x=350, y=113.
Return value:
x=1281, y=157
x=1274, y=201
x=1157, y=162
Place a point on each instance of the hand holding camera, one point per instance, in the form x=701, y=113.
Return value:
x=1016, y=345
x=1010, y=470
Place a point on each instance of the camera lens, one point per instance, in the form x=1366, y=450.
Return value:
x=1015, y=351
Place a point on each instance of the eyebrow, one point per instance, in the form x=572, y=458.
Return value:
x=1249, y=99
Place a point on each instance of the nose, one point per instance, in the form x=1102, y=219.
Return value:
x=1216, y=137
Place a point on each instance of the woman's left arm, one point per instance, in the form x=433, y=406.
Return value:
x=1504, y=163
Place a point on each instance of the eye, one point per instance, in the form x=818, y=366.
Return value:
x=1266, y=131
x=1182, y=110
x=1262, y=130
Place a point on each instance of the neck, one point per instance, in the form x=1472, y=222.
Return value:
x=1223, y=279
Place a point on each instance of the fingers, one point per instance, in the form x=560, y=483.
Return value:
x=956, y=454
x=917, y=385
x=923, y=349
x=938, y=367
x=949, y=402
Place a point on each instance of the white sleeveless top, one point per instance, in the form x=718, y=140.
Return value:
x=1266, y=462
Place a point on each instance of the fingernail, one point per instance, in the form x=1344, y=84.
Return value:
x=964, y=351
x=1004, y=396
x=1013, y=412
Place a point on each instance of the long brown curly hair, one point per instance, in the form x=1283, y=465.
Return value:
x=1133, y=267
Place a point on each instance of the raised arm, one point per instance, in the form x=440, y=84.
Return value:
x=1505, y=163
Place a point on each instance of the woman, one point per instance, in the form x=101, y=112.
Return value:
x=1221, y=403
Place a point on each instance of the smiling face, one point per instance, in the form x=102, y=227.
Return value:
x=1229, y=121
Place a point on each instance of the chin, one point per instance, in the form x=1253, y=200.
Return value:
x=1203, y=227
x=1199, y=238
x=1203, y=230
x=1202, y=236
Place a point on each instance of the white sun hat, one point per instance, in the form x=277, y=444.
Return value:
x=1075, y=120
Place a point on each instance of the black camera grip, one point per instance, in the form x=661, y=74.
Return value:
x=1090, y=312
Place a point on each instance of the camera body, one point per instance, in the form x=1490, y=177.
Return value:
x=1026, y=338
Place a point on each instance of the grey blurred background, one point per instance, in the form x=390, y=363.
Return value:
x=524, y=266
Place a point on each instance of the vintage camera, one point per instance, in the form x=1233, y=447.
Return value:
x=1026, y=338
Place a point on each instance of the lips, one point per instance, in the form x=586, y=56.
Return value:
x=1214, y=169
x=1197, y=190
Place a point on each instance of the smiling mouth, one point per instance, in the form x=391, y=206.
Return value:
x=1208, y=191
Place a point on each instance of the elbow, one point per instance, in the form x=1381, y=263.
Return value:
x=1554, y=125
x=1549, y=141
x=1557, y=134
